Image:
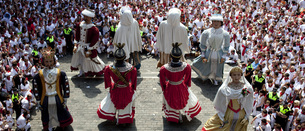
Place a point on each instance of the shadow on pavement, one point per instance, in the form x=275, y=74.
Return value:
x=139, y=80
x=103, y=56
x=192, y=125
x=111, y=126
x=207, y=88
x=92, y=83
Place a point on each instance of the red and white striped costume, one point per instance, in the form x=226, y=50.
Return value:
x=120, y=99
x=178, y=98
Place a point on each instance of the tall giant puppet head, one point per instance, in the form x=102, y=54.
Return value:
x=48, y=58
x=173, y=17
x=126, y=16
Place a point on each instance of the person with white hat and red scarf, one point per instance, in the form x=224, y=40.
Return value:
x=85, y=56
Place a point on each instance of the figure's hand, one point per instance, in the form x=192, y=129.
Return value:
x=74, y=50
x=65, y=101
x=39, y=107
x=221, y=123
x=204, y=60
x=222, y=60
x=243, y=121
x=88, y=53
x=64, y=105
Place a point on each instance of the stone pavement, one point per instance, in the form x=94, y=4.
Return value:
x=84, y=101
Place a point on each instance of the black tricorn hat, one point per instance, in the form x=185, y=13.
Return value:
x=176, y=52
x=119, y=53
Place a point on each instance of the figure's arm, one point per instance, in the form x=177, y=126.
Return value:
x=160, y=38
x=37, y=88
x=185, y=44
x=134, y=78
x=226, y=45
x=162, y=78
x=94, y=35
x=220, y=104
x=203, y=43
x=187, y=78
x=65, y=85
x=77, y=37
x=138, y=38
x=94, y=39
x=107, y=79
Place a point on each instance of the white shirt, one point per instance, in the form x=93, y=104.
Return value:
x=264, y=127
x=21, y=122
x=50, y=27
x=25, y=87
x=302, y=4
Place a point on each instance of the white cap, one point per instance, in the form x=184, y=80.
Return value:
x=216, y=17
x=88, y=13
x=7, y=73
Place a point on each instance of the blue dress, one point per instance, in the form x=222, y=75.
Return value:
x=214, y=44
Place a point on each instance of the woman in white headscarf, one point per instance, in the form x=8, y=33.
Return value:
x=233, y=103
x=128, y=32
x=171, y=31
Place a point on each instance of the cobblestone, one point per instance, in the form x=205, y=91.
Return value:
x=83, y=102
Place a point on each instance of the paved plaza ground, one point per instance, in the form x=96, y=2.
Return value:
x=84, y=101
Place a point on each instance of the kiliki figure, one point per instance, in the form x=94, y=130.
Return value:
x=175, y=81
x=120, y=101
x=85, y=56
x=233, y=103
x=128, y=32
x=170, y=31
x=214, y=45
x=51, y=89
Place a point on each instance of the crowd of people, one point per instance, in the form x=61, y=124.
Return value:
x=267, y=36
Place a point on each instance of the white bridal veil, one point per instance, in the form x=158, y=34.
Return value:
x=225, y=94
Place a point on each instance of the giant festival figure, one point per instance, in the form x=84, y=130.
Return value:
x=51, y=89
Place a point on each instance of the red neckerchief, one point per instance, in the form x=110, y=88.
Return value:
x=16, y=69
x=286, y=78
x=264, y=115
x=297, y=107
x=266, y=124
x=267, y=75
x=244, y=50
x=265, y=106
x=281, y=93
